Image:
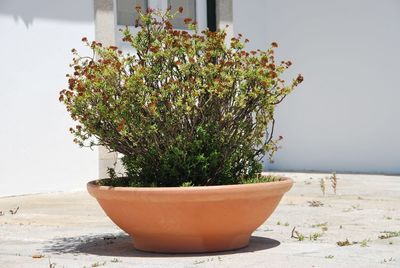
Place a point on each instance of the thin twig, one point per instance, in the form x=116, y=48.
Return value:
x=13, y=212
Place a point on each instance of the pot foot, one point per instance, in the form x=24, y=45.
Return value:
x=189, y=244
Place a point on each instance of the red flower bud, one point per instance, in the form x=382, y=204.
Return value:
x=300, y=78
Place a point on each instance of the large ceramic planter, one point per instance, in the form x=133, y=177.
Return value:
x=190, y=219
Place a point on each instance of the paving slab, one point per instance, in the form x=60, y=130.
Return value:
x=71, y=230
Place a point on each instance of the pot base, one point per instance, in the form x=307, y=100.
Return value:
x=180, y=244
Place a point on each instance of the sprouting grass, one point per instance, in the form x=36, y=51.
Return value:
x=262, y=178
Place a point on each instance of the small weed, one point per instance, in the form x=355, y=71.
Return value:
x=387, y=217
x=52, y=264
x=323, y=226
x=353, y=207
x=317, y=225
x=390, y=242
x=329, y=257
x=207, y=260
x=187, y=184
x=297, y=235
x=286, y=224
x=278, y=223
x=364, y=243
x=314, y=236
x=97, y=264
x=388, y=260
x=389, y=234
x=300, y=237
x=14, y=211
x=322, y=186
x=115, y=260
x=333, y=179
x=109, y=238
x=344, y=243
x=315, y=203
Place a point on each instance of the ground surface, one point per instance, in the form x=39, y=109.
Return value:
x=70, y=230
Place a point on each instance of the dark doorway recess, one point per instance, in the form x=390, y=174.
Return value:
x=211, y=15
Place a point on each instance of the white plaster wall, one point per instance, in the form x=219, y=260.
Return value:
x=346, y=114
x=36, y=150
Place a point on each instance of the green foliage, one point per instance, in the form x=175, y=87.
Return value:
x=184, y=109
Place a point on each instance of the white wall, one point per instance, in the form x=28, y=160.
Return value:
x=346, y=114
x=36, y=150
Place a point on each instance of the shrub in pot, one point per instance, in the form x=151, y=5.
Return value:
x=185, y=109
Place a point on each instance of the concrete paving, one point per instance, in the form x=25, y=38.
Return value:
x=71, y=230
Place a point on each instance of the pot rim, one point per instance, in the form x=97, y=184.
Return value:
x=284, y=181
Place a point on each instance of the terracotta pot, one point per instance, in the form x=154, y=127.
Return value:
x=190, y=219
